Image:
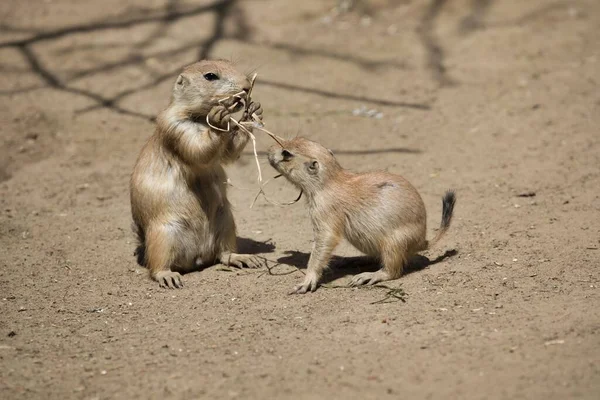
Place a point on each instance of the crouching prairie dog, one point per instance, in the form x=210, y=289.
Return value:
x=179, y=204
x=379, y=213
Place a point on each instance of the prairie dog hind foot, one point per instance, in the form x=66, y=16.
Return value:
x=242, y=260
x=169, y=279
x=310, y=283
x=369, y=278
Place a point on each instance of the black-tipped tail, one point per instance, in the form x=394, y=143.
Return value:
x=448, y=202
x=447, y=208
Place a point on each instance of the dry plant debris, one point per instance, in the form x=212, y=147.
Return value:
x=256, y=123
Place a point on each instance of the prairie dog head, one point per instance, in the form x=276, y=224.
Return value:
x=306, y=164
x=201, y=85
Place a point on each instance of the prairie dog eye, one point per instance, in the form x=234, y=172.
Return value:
x=211, y=76
x=286, y=155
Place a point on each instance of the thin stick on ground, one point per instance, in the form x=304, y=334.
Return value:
x=392, y=295
x=269, y=270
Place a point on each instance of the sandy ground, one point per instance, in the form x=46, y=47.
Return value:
x=497, y=99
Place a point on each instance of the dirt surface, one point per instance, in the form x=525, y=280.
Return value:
x=497, y=99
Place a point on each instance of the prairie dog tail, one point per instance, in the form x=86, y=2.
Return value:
x=447, y=208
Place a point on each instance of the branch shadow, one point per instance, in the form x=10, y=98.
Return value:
x=120, y=21
x=335, y=95
x=54, y=82
x=355, y=152
x=530, y=16
x=297, y=51
x=171, y=9
x=174, y=10
x=377, y=151
x=171, y=14
x=165, y=17
x=429, y=40
x=474, y=21
x=222, y=11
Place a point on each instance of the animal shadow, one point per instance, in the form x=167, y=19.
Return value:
x=251, y=246
x=340, y=267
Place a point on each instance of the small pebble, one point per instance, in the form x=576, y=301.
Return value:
x=365, y=112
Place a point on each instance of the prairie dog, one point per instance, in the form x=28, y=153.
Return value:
x=179, y=204
x=379, y=213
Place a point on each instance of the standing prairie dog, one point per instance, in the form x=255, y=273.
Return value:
x=179, y=204
x=379, y=213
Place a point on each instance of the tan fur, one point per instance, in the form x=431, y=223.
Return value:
x=379, y=213
x=178, y=186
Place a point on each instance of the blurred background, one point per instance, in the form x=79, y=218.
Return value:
x=498, y=99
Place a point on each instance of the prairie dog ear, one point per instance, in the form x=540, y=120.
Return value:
x=330, y=151
x=181, y=81
x=312, y=167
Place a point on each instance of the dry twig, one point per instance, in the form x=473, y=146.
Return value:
x=255, y=123
x=261, y=191
x=392, y=295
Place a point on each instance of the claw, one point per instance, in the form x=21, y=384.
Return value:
x=242, y=261
x=299, y=289
x=310, y=284
x=254, y=110
x=368, y=278
x=219, y=116
x=169, y=279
